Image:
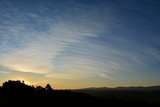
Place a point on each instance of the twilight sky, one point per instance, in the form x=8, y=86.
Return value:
x=80, y=43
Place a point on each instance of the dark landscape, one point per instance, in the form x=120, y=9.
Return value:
x=80, y=53
x=18, y=94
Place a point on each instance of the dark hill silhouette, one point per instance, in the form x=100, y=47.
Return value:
x=134, y=95
x=131, y=88
x=18, y=94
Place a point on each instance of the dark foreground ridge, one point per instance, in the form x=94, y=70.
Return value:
x=18, y=94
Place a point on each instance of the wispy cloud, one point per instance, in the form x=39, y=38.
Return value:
x=75, y=41
x=104, y=75
x=36, y=49
x=71, y=75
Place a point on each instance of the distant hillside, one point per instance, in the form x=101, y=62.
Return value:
x=139, y=88
x=149, y=94
x=18, y=94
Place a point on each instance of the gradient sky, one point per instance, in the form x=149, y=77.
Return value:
x=80, y=43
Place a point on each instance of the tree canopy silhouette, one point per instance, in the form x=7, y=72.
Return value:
x=17, y=93
x=48, y=87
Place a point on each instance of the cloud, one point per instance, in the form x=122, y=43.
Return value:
x=75, y=40
x=104, y=75
x=31, y=49
x=71, y=75
x=4, y=70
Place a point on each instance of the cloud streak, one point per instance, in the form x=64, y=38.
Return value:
x=72, y=40
x=37, y=48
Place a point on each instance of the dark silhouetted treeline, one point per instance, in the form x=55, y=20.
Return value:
x=18, y=94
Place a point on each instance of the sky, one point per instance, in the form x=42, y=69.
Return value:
x=80, y=43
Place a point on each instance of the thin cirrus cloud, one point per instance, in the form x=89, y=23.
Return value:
x=35, y=49
x=76, y=40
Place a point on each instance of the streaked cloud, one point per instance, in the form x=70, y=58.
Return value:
x=76, y=40
x=36, y=49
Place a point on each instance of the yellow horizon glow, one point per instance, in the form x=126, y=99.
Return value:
x=27, y=82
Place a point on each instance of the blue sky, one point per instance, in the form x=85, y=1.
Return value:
x=80, y=43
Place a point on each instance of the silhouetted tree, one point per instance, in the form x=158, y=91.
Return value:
x=48, y=87
x=18, y=94
x=39, y=87
x=13, y=85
